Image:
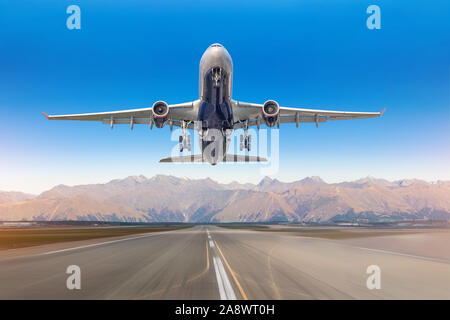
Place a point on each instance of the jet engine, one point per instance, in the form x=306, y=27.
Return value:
x=270, y=111
x=160, y=112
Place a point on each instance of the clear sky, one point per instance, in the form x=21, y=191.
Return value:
x=316, y=54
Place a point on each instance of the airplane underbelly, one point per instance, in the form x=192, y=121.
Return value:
x=217, y=116
x=214, y=135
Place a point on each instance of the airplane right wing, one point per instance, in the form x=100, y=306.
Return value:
x=253, y=114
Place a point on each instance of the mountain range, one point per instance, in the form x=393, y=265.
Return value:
x=167, y=198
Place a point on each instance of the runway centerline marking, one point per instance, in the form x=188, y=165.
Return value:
x=225, y=289
x=223, y=295
x=244, y=296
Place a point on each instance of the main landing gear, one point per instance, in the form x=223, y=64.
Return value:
x=246, y=140
x=185, y=139
x=185, y=143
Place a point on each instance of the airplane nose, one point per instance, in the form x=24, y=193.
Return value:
x=216, y=45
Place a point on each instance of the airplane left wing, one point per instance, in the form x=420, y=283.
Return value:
x=175, y=113
x=254, y=113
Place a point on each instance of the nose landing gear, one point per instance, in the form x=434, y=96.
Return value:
x=216, y=75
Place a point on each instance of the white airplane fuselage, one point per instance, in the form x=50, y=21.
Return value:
x=215, y=113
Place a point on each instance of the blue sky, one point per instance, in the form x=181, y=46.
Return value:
x=316, y=54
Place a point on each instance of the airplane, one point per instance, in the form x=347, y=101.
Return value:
x=215, y=114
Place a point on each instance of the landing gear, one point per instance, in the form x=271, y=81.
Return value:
x=185, y=139
x=185, y=143
x=216, y=75
x=246, y=140
x=246, y=143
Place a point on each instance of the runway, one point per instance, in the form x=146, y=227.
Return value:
x=208, y=262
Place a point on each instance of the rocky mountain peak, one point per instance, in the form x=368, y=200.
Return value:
x=265, y=181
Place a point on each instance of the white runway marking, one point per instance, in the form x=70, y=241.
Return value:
x=225, y=289
x=380, y=250
x=405, y=255
x=93, y=245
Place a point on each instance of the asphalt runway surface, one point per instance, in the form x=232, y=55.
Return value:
x=208, y=262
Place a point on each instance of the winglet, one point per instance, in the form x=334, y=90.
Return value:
x=382, y=111
x=45, y=115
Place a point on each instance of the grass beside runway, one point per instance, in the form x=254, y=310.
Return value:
x=28, y=237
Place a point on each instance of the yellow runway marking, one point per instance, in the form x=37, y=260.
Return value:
x=272, y=279
x=206, y=268
x=244, y=296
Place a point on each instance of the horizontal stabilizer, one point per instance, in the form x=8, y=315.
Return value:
x=228, y=158
x=243, y=158
x=192, y=158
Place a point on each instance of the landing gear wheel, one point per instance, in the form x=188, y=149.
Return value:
x=246, y=142
x=187, y=142
x=180, y=139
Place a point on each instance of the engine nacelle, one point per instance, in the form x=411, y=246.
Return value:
x=270, y=111
x=160, y=112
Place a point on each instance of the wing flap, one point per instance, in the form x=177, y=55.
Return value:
x=100, y=116
x=335, y=115
x=251, y=111
x=182, y=111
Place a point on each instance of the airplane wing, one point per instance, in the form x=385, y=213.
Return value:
x=178, y=112
x=253, y=114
